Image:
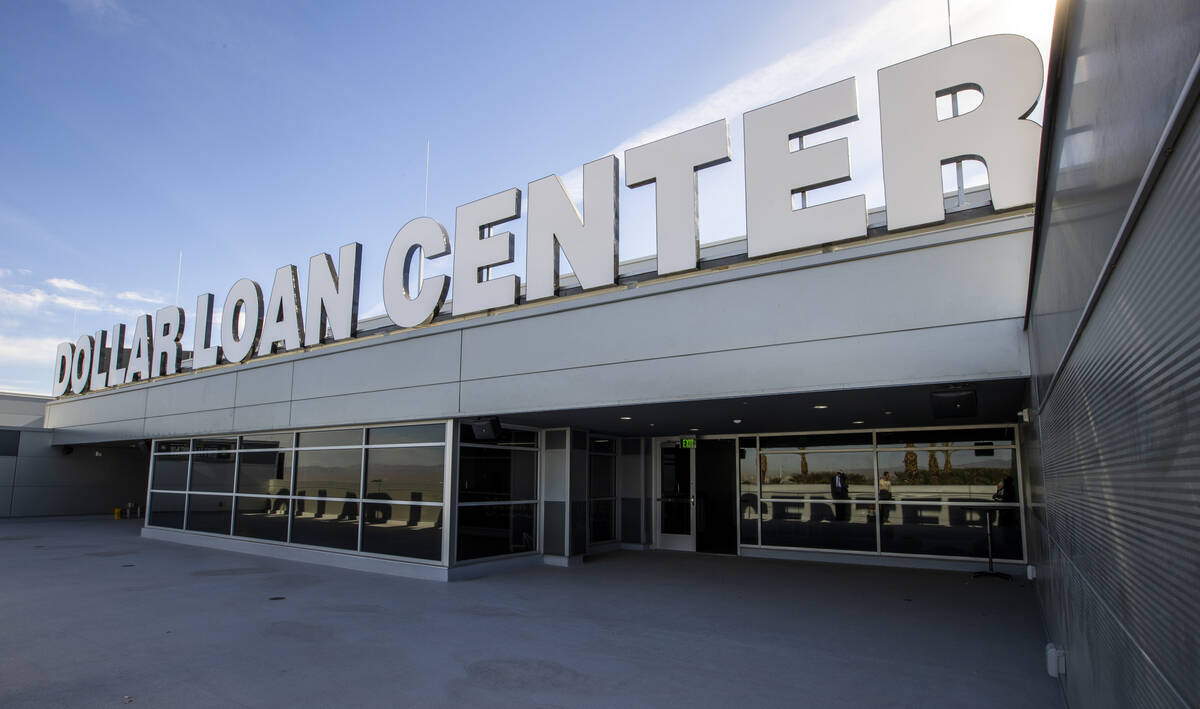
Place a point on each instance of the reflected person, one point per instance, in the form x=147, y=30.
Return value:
x=885, y=495
x=839, y=490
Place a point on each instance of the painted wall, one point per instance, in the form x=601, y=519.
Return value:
x=73, y=480
x=22, y=410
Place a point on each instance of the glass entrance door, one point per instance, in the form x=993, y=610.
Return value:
x=675, y=525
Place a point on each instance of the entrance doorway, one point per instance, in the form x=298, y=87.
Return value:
x=696, y=495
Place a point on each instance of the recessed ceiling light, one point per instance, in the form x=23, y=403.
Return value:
x=626, y=418
x=820, y=406
x=887, y=413
x=693, y=429
x=856, y=422
x=737, y=420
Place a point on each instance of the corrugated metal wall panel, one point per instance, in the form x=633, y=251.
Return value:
x=1120, y=457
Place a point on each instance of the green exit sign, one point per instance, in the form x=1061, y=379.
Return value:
x=687, y=442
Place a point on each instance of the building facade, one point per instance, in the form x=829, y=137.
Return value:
x=1005, y=381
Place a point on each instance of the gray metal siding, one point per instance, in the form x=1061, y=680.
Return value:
x=1125, y=64
x=1120, y=456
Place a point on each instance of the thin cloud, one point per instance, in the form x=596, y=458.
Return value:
x=22, y=350
x=33, y=300
x=152, y=298
x=71, y=285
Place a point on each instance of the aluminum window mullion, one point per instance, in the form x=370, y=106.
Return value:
x=187, y=491
x=362, y=475
x=233, y=493
x=291, y=489
x=878, y=504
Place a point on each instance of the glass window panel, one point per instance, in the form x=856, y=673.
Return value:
x=212, y=472
x=819, y=525
x=788, y=475
x=676, y=491
x=267, y=440
x=328, y=473
x=405, y=474
x=505, y=437
x=403, y=530
x=265, y=472
x=816, y=441
x=325, y=523
x=950, y=530
x=209, y=513
x=424, y=433
x=603, y=445
x=494, y=530
x=951, y=437
x=214, y=444
x=556, y=440
x=170, y=472
x=949, y=476
x=602, y=478
x=491, y=474
x=340, y=437
x=181, y=445
x=748, y=476
x=602, y=521
x=10, y=442
x=261, y=518
x=166, y=510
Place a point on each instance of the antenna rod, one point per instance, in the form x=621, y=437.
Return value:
x=427, y=174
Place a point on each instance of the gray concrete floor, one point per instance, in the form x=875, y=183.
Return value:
x=94, y=615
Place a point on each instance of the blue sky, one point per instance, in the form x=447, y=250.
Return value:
x=252, y=135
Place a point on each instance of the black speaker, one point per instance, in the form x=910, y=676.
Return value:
x=954, y=403
x=486, y=429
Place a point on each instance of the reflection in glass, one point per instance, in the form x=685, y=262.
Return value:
x=166, y=510
x=181, y=445
x=403, y=530
x=602, y=445
x=803, y=474
x=267, y=440
x=748, y=476
x=264, y=472
x=170, y=472
x=492, y=474
x=602, y=480
x=494, y=530
x=214, y=444
x=504, y=437
x=325, y=523
x=209, y=513
x=328, y=473
x=819, y=525
x=947, y=476
x=261, y=518
x=602, y=523
x=950, y=530
x=406, y=474
x=212, y=472
x=951, y=437
x=816, y=441
x=424, y=433
x=339, y=437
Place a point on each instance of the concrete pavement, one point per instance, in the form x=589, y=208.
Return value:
x=96, y=616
